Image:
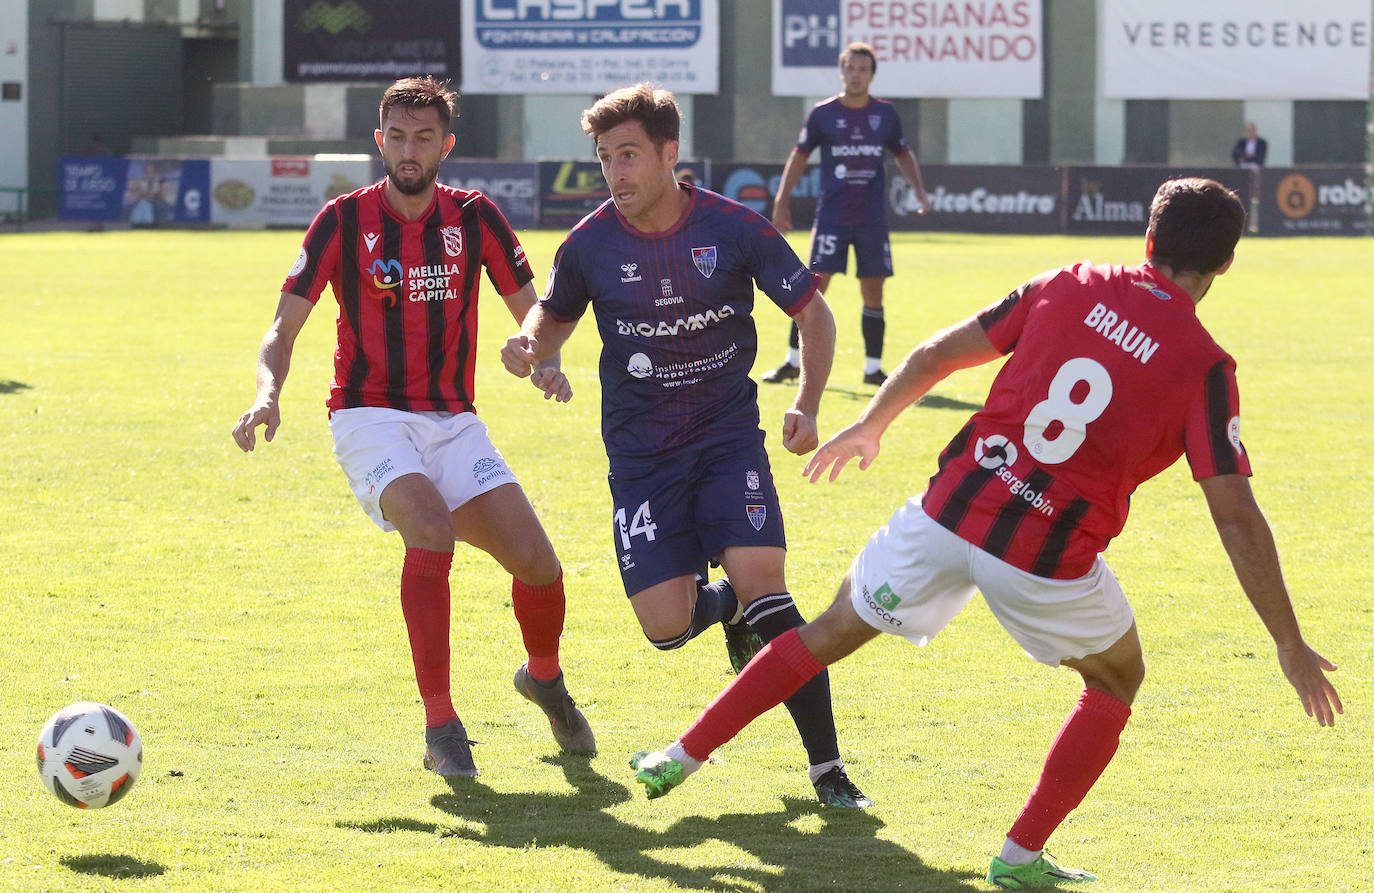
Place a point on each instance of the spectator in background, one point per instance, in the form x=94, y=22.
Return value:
x=1251, y=149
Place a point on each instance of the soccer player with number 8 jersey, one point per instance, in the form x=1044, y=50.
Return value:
x=1111, y=377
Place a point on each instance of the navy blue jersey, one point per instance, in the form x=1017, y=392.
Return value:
x=852, y=143
x=675, y=313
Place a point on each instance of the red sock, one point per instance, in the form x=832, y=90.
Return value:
x=774, y=675
x=539, y=611
x=425, y=604
x=1080, y=752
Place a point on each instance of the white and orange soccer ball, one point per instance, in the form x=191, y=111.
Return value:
x=89, y=755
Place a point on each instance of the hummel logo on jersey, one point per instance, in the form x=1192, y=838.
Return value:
x=370, y=240
x=453, y=240
x=705, y=260
x=631, y=272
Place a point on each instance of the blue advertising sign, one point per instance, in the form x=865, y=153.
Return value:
x=193, y=201
x=91, y=188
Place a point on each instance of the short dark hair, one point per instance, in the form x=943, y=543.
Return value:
x=656, y=109
x=1196, y=223
x=420, y=93
x=860, y=49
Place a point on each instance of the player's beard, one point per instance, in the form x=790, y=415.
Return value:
x=415, y=186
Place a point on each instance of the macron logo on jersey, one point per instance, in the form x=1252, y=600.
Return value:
x=370, y=240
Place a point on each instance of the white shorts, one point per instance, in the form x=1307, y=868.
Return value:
x=913, y=576
x=375, y=445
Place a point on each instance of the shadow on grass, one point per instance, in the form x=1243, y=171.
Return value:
x=929, y=401
x=110, y=865
x=802, y=846
x=13, y=387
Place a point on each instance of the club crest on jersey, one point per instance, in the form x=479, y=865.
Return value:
x=453, y=240
x=705, y=260
x=874, y=121
x=757, y=514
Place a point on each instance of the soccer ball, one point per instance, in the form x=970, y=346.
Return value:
x=89, y=755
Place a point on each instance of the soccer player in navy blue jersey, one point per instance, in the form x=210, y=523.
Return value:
x=669, y=271
x=852, y=130
x=404, y=258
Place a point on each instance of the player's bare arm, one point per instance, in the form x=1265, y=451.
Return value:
x=816, y=326
x=547, y=374
x=540, y=337
x=939, y=356
x=911, y=169
x=1249, y=543
x=274, y=361
x=782, y=202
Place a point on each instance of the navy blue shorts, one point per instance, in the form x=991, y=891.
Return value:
x=872, y=250
x=671, y=516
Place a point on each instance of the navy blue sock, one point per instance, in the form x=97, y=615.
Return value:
x=874, y=327
x=794, y=337
x=770, y=617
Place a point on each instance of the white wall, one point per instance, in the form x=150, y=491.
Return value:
x=118, y=10
x=14, y=116
x=1274, y=121
x=985, y=131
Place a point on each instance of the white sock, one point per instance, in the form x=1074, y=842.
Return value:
x=794, y=357
x=675, y=752
x=1015, y=854
x=873, y=364
x=820, y=769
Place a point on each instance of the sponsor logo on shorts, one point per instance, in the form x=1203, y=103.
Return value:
x=377, y=475
x=751, y=480
x=757, y=514
x=488, y=469
x=883, y=611
x=886, y=597
x=626, y=562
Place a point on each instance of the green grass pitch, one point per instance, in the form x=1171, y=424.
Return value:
x=243, y=612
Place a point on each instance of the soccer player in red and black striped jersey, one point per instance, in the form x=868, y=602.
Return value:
x=1111, y=378
x=403, y=258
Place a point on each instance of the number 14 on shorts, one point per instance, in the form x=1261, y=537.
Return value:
x=642, y=524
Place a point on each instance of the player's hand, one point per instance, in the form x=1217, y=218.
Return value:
x=799, y=432
x=552, y=381
x=924, y=201
x=782, y=217
x=1304, y=669
x=852, y=442
x=518, y=355
x=264, y=413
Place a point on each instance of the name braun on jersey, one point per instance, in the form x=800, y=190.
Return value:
x=694, y=323
x=1120, y=331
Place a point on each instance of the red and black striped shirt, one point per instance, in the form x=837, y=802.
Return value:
x=407, y=293
x=1111, y=378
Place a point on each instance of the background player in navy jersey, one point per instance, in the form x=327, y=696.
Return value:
x=669, y=271
x=1111, y=377
x=403, y=258
x=852, y=130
